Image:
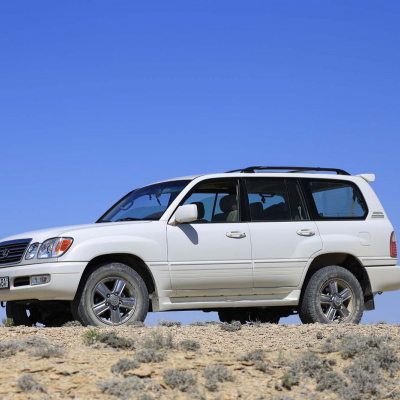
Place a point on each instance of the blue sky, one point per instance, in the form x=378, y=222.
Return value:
x=100, y=97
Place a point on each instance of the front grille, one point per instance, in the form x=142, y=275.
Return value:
x=11, y=252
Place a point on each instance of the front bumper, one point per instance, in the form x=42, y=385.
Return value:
x=64, y=281
x=384, y=279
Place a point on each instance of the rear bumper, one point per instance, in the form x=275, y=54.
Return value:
x=384, y=279
x=64, y=281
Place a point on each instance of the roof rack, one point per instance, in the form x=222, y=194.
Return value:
x=291, y=169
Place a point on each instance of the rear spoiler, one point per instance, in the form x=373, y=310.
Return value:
x=367, y=177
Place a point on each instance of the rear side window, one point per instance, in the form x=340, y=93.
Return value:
x=275, y=200
x=337, y=199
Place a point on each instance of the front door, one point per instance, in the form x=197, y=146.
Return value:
x=212, y=255
x=282, y=235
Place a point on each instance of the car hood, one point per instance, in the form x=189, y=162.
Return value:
x=43, y=234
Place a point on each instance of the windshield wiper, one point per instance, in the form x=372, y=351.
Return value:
x=128, y=219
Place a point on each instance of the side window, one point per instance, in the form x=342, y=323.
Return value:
x=297, y=205
x=268, y=199
x=337, y=199
x=216, y=202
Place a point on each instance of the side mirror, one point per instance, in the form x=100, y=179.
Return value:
x=186, y=213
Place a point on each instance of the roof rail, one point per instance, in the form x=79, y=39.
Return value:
x=291, y=169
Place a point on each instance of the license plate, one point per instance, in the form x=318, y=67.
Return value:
x=4, y=283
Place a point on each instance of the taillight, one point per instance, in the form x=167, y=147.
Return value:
x=393, y=245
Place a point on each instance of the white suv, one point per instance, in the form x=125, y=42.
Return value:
x=252, y=244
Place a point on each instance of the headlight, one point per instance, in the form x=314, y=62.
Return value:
x=55, y=247
x=32, y=250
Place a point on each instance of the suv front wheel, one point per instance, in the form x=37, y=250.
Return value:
x=113, y=294
x=333, y=295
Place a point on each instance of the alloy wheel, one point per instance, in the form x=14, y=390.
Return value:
x=113, y=300
x=336, y=300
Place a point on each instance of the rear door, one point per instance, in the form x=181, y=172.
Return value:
x=340, y=210
x=282, y=235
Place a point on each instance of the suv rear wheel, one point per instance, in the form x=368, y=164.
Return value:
x=333, y=295
x=112, y=295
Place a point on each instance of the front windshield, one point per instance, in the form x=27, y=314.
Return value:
x=147, y=203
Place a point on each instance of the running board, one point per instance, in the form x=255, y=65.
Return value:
x=189, y=303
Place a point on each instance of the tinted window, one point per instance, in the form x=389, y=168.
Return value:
x=337, y=199
x=216, y=202
x=268, y=199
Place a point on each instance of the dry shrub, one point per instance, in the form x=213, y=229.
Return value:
x=150, y=356
x=28, y=383
x=232, y=327
x=11, y=347
x=198, y=323
x=123, y=365
x=364, y=373
x=121, y=387
x=253, y=355
x=189, y=345
x=146, y=397
x=71, y=324
x=181, y=380
x=116, y=342
x=311, y=365
x=214, y=374
x=48, y=351
x=157, y=341
x=168, y=324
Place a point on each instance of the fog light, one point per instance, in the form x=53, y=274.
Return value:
x=40, y=279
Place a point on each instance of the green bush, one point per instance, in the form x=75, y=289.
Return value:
x=91, y=336
x=290, y=379
x=7, y=322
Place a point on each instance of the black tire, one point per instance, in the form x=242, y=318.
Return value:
x=18, y=313
x=85, y=298
x=315, y=306
x=48, y=313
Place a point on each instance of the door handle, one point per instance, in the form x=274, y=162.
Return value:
x=305, y=232
x=235, y=235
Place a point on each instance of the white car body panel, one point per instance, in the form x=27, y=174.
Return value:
x=196, y=266
x=280, y=255
x=199, y=267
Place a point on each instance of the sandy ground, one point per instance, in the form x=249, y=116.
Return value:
x=77, y=372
